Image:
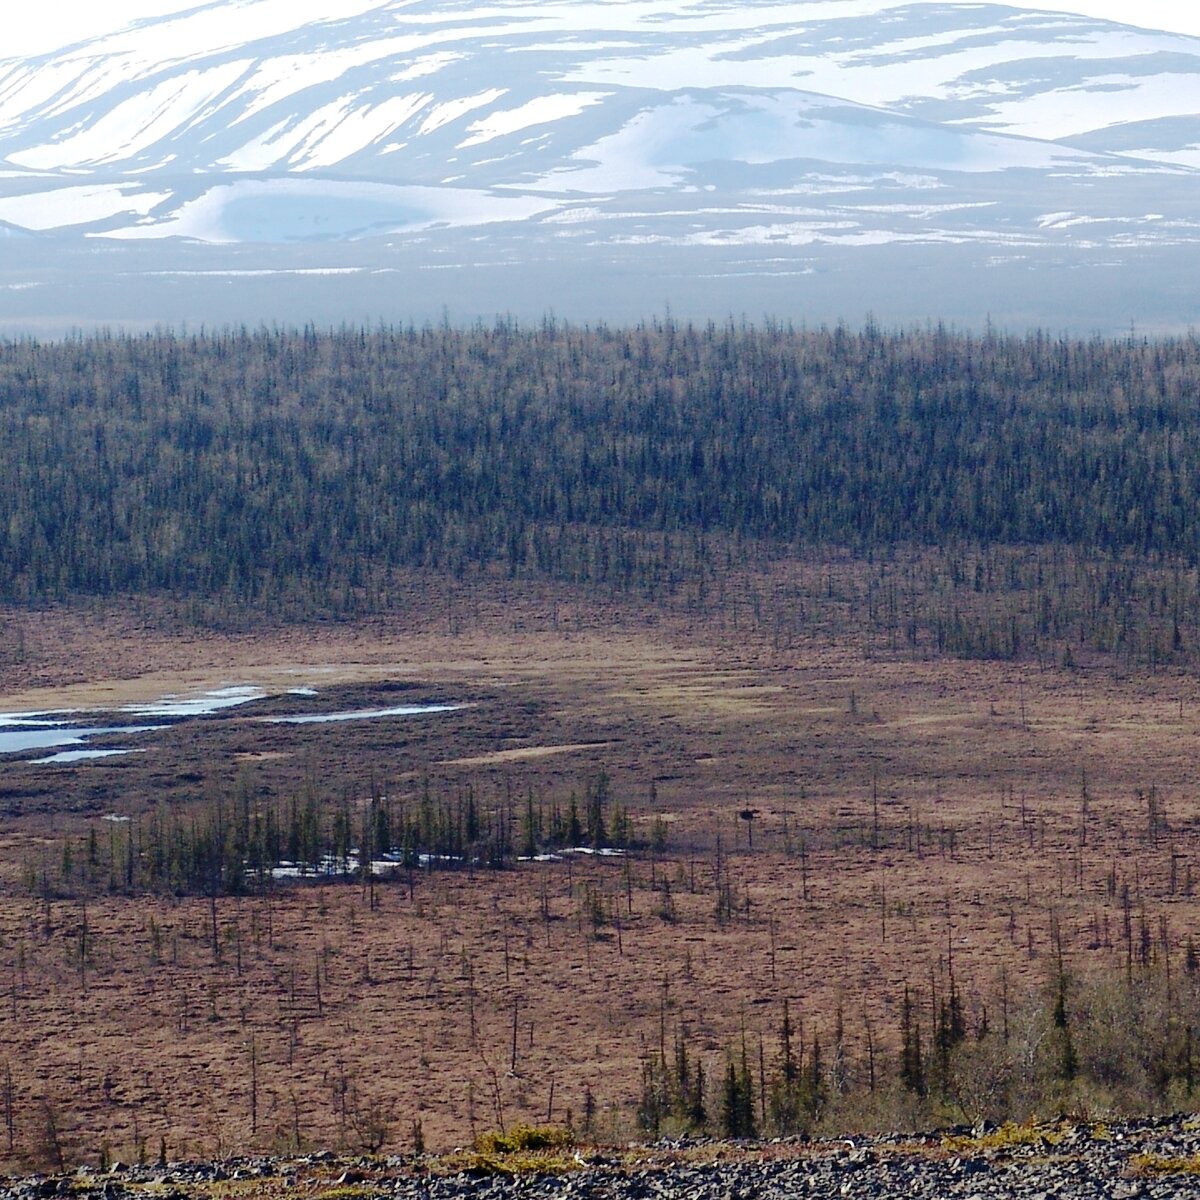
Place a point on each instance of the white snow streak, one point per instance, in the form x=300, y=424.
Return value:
x=540, y=111
x=137, y=123
x=451, y=110
x=1106, y=100
x=360, y=128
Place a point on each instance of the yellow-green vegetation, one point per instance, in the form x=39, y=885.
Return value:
x=524, y=1137
x=1008, y=1135
x=522, y=1150
x=223, y=1189
x=1161, y=1164
x=351, y=1191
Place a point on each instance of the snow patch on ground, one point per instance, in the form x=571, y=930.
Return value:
x=199, y=704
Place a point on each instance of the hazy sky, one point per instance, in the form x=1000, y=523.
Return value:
x=30, y=28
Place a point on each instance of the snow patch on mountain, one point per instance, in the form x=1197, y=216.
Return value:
x=541, y=110
x=283, y=210
x=136, y=98
x=84, y=205
x=136, y=124
x=451, y=110
x=689, y=138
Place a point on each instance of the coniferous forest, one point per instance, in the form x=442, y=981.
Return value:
x=295, y=470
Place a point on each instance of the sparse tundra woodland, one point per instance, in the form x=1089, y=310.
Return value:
x=814, y=746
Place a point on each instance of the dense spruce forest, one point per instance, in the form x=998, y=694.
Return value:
x=293, y=472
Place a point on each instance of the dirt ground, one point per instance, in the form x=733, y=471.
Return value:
x=875, y=820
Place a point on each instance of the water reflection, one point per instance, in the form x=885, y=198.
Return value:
x=364, y=714
x=16, y=738
x=71, y=756
x=49, y=729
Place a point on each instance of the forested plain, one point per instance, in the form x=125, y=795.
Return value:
x=296, y=469
x=826, y=521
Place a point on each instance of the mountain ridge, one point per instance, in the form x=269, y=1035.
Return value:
x=568, y=130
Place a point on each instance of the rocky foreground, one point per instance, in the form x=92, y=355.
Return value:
x=1145, y=1158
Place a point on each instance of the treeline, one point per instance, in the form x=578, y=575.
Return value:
x=297, y=471
x=234, y=845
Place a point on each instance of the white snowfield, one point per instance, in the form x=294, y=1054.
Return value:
x=300, y=89
x=63, y=207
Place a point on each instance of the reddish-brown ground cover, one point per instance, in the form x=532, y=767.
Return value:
x=907, y=814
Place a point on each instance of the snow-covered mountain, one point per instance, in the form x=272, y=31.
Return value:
x=649, y=139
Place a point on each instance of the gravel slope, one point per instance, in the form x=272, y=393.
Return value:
x=1146, y=1158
